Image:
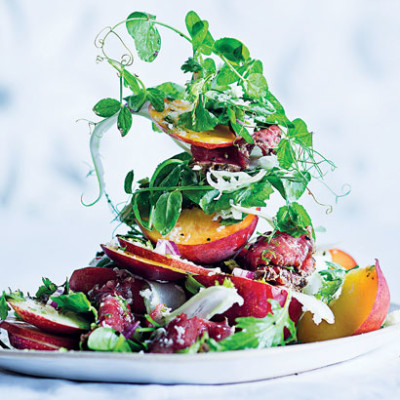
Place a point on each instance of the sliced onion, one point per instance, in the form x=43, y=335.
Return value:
x=242, y=273
x=167, y=247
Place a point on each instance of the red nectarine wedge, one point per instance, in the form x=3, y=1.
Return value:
x=48, y=318
x=25, y=336
x=361, y=307
x=202, y=239
x=150, y=267
x=221, y=136
x=83, y=279
x=342, y=258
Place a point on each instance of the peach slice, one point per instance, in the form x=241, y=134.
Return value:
x=150, y=267
x=25, y=336
x=202, y=239
x=221, y=136
x=342, y=258
x=361, y=307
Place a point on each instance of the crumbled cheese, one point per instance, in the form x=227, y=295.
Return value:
x=392, y=318
x=317, y=307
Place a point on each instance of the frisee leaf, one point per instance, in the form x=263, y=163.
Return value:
x=145, y=35
x=106, y=107
x=332, y=279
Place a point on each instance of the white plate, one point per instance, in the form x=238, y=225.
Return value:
x=206, y=368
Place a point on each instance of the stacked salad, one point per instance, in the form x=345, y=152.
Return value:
x=192, y=273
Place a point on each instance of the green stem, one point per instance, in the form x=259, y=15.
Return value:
x=171, y=188
x=233, y=69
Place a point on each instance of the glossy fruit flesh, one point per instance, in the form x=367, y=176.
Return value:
x=83, y=280
x=47, y=318
x=361, y=307
x=342, y=258
x=202, y=239
x=25, y=336
x=221, y=136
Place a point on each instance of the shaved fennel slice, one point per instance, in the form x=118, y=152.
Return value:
x=317, y=307
x=99, y=130
x=208, y=302
x=226, y=181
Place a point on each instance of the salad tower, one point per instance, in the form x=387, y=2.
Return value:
x=192, y=273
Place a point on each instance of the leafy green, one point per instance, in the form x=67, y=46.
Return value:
x=259, y=333
x=75, y=302
x=135, y=102
x=4, y=307
x=285, y=153
x=106, y=107
x=192, y=286
x=198, y=30
x=191, y=65
x=300, y=133
x=238, y=127
x=332, y=279
x=296, y=185
x=130, y=81
x=172, y=90
x=293, y=219
x=145, y=35
x=124, y=121
x=256, y=85
x=167, y=211
x=234, y=50
x=156, y=98
x=46, y=290
x=107, y=339
x=128, y=182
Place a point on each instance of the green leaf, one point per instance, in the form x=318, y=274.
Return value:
x=192, y=286
x=238, y=127
x=234, y=50
x=130, y=81
x=156, y=98
x=225, y=77
x=75, y=302
x=172, y=90
x=296, y=186
x=136, y=102
x=145, y=35
x=107, y=339
x=124, y=121
x=293, y=219
x=300, y=133
x=191, y=65
x=332, y=280
x=259, y=333
x=192, y=21
x=209, y=66
x=128, y=182
x=199, y=33
x=256, y=85
x=4, y=308
x=285, y=154
x=200, y=119
x=46, y=290
x=167, y=211
x=107, y=107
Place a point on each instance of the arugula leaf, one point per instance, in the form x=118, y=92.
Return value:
x=167, y=211
x=106, y=107
x=285, y=154
x=128, y=182
x=234, y=50
x=46, y=290
x=300, y=133
x=259, y=333
x=156, y=98
x=4, y=307
x=256, y=85
x=75, y=302
x=293, y=219
x=124, y=121
x=107, y=339
x=145, y=35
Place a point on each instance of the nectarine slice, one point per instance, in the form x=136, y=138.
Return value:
x=221, y=136
x=202, y=239
x=361, y=307
x=342, y=258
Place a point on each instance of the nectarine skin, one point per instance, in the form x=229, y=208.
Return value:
x=202, y=239
x=361, y=307
x=83, y=279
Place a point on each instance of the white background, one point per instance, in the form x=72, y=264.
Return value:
x=334, y=63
